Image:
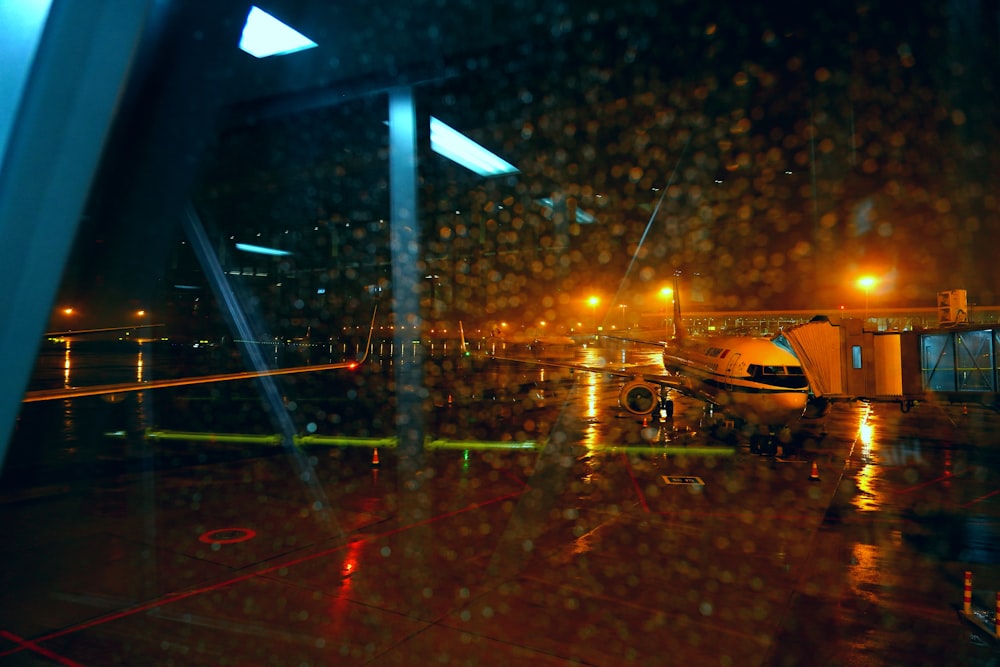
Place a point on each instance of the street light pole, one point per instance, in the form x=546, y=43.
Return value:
x=866, y=283
x=593, y=301
x=666, y=293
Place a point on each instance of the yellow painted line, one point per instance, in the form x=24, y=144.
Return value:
x=345, y=441
x=329, y=440
x=436, y=443
x=667, y=449
x=481, y=444
x=240, y=438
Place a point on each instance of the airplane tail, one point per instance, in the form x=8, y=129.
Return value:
x=368, y=343
x=465, y=346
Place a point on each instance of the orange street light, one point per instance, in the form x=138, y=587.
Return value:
x=593, y=301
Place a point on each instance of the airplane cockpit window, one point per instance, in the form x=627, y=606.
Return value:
x=436, y=332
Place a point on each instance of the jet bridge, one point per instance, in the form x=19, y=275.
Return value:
x=847, y=362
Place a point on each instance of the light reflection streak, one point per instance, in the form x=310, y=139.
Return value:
x=590, y=435
x=864, y=576
x=867, y=499
x=138, y=367
x=342, y=605
x=67, y=365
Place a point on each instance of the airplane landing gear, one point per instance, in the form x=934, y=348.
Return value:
x=763, y=443
x=666, y=406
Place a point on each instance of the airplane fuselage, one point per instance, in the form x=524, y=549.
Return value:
x=749, y=378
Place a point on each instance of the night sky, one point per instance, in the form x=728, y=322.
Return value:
x=795, y=147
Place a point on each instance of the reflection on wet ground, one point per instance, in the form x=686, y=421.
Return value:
x=615, y=541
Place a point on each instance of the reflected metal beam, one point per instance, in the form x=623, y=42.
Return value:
x=404, y=241
x=61, y=119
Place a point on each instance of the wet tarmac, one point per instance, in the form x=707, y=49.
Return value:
x=538, y=525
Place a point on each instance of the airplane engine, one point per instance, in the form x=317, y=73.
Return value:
x=639, y=397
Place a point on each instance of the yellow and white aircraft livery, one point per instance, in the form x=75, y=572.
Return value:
x=750, y=379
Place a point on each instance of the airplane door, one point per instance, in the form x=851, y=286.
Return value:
x=731, y=368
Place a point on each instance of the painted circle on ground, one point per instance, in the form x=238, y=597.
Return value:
x=227, y=536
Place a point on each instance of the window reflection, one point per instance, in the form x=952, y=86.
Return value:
x=766, y=156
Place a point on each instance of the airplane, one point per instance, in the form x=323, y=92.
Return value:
x=750, y=379
x=500, y=338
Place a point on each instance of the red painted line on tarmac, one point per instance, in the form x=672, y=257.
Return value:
x=942, y=478
x=33, y=646
x=238, y=535
x=635, y=483
x=981, y=498
x=174, y=597
x=515, y=478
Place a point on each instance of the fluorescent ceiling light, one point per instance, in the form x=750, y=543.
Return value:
x=456, y=146
x=264, y=35
x=261, y=250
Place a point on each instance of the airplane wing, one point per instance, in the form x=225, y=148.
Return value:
x=640, y=341
x=638, y=373
x=108, y=389
x=105, y=389
x=83, y=332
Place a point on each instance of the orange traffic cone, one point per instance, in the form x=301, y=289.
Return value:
x=965, y=409
x=375, y=457
x=814, y=475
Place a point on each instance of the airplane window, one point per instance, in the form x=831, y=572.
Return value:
x=383, y=332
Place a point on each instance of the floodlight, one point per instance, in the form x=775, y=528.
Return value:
x=261, y=250
x=454, y=145
x=263, y=36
